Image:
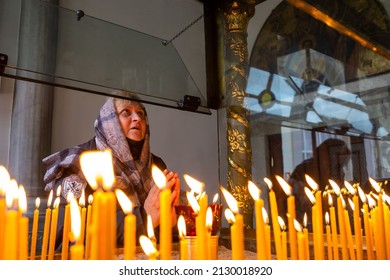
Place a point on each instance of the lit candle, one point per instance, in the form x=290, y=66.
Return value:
x=301, y=240
x=367, y=228
x=341, y=220
x=381, y=249
x=328, y=237
x=88, y=228
x=356, y=220
x=386, y=214
x=129, y=244
x=53, y=229
x=292, y=234
x=77, y=249
x=267, y=230
x=66, y=228
x=199, y=209
x=351, y=245
x=4, y=182
x=209, y=225
x=165, y=214
x=148, y=248
x=83, y=216
x=274, y=218
x=181, y=225
x=35, y=229
x=98, y=170
x=319, y=225
x=46, y=227
x=23, y=225
x=333, y=224
x=260, y=225
x=306, y=238
x=237, y=228
x=283, y=238
x=315, y=221
x=11, y=222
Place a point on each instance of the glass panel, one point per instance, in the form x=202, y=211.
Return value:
x=89, y=54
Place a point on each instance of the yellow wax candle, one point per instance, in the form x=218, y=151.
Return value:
x=3, y=208
x=374, y=226
x=357, y=228
x=381, y=229
x=328, y=237
x=351, y=245
x=129, y=244
x=320, y=225
x=65, y=233
x=284, y=245
x=11, y=235
x=88, y=228
x=111, y=216
x=260, y=225
x=34, y=230
x=53, y=229
x=387, y=229
x=268, y=241
x=77, y=249
x=181, y=225
x=335, y=241
x=306, y=243
x=342, y=228
x=275, y=225
x=316, y=240
x=46, y=232
x=95, y=226
x=209, y=224
x=23, y=226
x=83, y=224
x=237, y=231
x=165, y=225
x=368, y=233
x=301, y=246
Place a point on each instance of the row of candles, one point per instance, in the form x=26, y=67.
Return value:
x=92, y=229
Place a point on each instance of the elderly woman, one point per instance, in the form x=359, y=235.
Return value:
x=122, y=126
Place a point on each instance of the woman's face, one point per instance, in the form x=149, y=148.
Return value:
x=133, y=120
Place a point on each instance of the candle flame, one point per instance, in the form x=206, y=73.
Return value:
x=147, y=246
x=312, y=184
x=386, y=198
x=265, y=215
x=50, y=198
x=297, y=226
x=181, y=226
x=193, y=202
x=98, y=169
x=281, y=223
x=58, y=192
x=375, y=185
x=215, y=198
x=69, y=197
x=124, y=201
x=310, y=195
x=342, y=200
x=56, y=202
x=4, y=179
x=335, y=187
x=37, y=202
x=209, y=218
x=351, y=204
x=371, y=201
x=254, y=190
x=330, y=200
x=349, y=187
x=231, y=201
x=305, y=220
x=229, y=216
x=159, y=177
x=268, y=182
x=194, y=184
x=22, y=199
x=75, y=219
x=90, y=199
x=11, y=194
x=362, y=195
x=150, y=228
x=82, y=199
x=327, y=218
x=285, y=186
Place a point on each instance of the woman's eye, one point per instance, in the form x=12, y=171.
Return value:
x=141, y=114
x=125, y=113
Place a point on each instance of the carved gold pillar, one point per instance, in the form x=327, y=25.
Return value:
x=239, y=154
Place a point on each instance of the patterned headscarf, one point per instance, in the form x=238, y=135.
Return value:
x=132, y=176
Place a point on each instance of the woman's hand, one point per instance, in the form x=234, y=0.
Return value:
x=152, y=202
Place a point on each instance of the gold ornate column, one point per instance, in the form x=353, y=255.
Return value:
x=239, y=154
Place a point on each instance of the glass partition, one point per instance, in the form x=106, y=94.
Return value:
x=48, y=44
